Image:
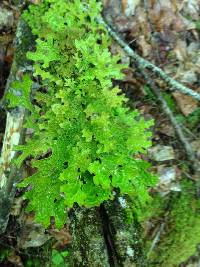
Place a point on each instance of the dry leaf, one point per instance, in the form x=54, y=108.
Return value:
x=144, y=46
x=62, y=236
x=181, y=50
x=186, y=103
x=129, y=6
x=31, y=234
x=15, y=259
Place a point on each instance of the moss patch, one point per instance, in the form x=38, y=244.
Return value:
x=182, y=232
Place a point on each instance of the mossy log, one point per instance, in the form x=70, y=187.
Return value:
x=88, y=246
x=126, y=236
x=14, y=132
x=100, y=236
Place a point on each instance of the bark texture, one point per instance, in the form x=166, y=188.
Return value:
x=14, y=132
x=102, y=237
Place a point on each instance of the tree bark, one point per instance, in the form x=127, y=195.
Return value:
x=14, y=132
x=102, y=237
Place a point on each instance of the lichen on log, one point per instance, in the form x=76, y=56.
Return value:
x=14, y=132
x=126, y=236
x=88, y=246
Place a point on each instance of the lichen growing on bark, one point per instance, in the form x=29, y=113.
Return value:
x=88, y=246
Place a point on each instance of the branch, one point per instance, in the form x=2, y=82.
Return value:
x=194, y=162
x=14, y=132
x=177, y=127
x=156, y=239
x=146, y=64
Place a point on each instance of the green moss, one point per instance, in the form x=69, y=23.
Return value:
x=181, y=234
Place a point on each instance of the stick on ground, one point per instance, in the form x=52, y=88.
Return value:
x=145, y=64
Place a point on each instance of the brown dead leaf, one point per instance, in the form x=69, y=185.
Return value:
x=186, y=103
x=31, y=234
x=181, y=50
x=15, y=259
x=167, y=129
x=62, y=236
x=144, y=46
x=167, y=179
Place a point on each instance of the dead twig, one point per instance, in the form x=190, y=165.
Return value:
x=156, y=239
x=194, y=162
x=177, y=127
x=145, y=64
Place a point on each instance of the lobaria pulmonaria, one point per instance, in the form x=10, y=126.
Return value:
x=85, y=141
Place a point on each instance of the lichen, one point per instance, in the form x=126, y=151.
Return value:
x=88, y=245
x=6, y=18
x=24, y=42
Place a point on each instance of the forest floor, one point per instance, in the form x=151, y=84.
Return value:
x=167, y=33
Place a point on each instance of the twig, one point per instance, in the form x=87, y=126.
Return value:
x=146, y=64
x=188, y=149
x=194, y=162
x=156, y=239
x=14, y=132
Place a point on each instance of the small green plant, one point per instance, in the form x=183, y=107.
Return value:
x=4, y=254
x=59, y=259
x=197, y=25
x=194, y=118
x=33, y=263
x=149, y=94
x=86, y=141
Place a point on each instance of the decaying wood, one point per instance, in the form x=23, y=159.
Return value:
x=14, y=132
x=125, y=236
x=102, y=237
x=88, y=246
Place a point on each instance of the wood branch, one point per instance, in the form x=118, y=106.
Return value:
x=102, y=237
x=88, y=247
x=177, y=127
x=14, y=132
x=145, y=64
x=125, y=236
x=156, y=239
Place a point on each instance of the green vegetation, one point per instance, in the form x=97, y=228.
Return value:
x=85, y=141
x=59, y=259
x=181, y=235
x=194, y=118
x=4, y=254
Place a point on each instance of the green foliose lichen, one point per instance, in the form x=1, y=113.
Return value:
x=86, y=140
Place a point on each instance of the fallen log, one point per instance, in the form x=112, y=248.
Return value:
x=14, y=132
x=100, y=236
